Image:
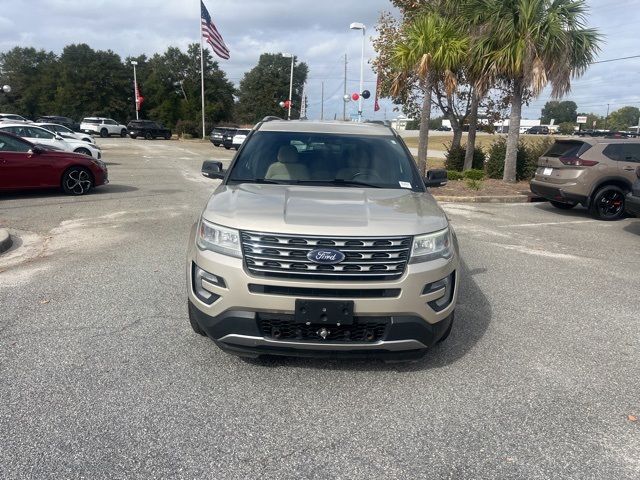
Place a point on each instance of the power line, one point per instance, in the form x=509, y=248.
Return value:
x=616, y=59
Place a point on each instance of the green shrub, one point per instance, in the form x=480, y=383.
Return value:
x=566, y=128
x=474, y=174
x=473, y=184
x=495, y=163
x=533, y=152
x=455, y=158
x=188, y=127
x=454, y=175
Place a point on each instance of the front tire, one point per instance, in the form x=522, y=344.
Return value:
x=123, y=133
x=167, y=136
x=83, y=151
x=77, y=181
x=148, y=136
x=104, y=133
x=562, y=206
x=608, y=203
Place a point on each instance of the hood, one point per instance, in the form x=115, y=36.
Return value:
x=314, y=210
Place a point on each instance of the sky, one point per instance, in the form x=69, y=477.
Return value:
x=317, y=32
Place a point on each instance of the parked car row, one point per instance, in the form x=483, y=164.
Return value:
x=33, y=165
x=42, y=135
x=228, y=137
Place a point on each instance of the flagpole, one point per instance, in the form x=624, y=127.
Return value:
x=202, y=75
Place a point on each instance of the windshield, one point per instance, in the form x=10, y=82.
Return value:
x=314, y=158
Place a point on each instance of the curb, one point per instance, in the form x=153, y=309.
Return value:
x=485, y=199
x=5, y=240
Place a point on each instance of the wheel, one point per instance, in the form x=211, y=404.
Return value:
x=104, y=133
x=562, y=206
x=228, y=148
x=167, y=136
x=133, y=136
x=216, y=144
x=83, y=151
x=77, y=181
x=194, y=323
x=148, y=136
x=123, y=133
x=237, y=148
x=608, y=203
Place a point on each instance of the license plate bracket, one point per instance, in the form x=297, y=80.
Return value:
x=324, y=312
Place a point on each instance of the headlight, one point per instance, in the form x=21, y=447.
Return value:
x=219, y=239
x=432, y=246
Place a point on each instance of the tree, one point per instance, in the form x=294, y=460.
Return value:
x=432, y=47
x=266, y=85
x=32, y=75
x=528, y=44
x=92, y=82
x=624, y=118
x=559, y=112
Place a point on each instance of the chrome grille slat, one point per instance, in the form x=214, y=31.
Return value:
x=372, y=258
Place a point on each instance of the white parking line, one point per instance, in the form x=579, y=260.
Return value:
x=547, y=223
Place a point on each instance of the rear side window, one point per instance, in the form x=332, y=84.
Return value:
x=95, y=121
x=10, y=144
x=567, y=149
x=623, y=152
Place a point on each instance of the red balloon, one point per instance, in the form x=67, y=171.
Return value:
x=355, y=97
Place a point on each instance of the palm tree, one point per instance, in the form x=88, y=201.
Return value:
x=529, y=44
x=432, y=47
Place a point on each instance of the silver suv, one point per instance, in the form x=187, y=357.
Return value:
x=322, y=239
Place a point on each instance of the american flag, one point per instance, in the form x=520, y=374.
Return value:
x=211, y=35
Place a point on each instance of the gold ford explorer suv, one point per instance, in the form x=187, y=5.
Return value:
x=322, y=240
x=595, y=172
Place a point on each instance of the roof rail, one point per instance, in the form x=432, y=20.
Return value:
x=271, y=118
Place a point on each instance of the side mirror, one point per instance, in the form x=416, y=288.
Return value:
x=436, y=178
x=37, y=150
x=212, y=169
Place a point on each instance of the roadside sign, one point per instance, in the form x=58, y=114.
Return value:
x=581, y=119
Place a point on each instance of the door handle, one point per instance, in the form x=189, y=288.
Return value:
x=629, y=169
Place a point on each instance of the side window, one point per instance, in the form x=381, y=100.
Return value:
x=39, y=133
x=631, y=152
x=8, y=144
x=110, y=122
x=613, y=151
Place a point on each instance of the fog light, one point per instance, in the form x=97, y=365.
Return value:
x=448, y=284
x=199, y=276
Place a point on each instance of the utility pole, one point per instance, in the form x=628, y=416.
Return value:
x=322, y=101
x=606, y=119
x=344, y=104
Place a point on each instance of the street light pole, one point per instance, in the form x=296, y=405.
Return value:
x=135, y=85
x=360, y=26
x=290, y=88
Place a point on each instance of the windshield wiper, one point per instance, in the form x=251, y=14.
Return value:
x=355, y=183
x=258, y=180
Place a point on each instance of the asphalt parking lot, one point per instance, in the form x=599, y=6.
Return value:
x=102, y=376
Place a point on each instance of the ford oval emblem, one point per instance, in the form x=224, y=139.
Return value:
x=325, y=256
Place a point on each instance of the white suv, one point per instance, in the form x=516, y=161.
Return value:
x=105, y=127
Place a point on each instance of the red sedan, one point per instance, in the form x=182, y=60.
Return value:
x=24, y=165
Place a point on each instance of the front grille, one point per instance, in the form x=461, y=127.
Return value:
x=362, y=330
x=285, y=256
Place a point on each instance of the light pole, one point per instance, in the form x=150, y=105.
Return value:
x=135, y=85
x=287, y=55
x=360, y=26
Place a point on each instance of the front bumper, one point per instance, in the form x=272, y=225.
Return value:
x=238, y=332
x=632, y=204
x=414, y=323
x=557, y=194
